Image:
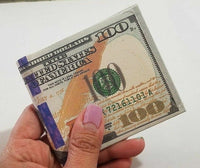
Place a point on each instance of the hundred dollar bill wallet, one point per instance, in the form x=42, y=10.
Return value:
x=114, y=64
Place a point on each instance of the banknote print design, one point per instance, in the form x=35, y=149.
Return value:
x=115, y=65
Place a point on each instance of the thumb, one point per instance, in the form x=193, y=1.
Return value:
x=86, y=139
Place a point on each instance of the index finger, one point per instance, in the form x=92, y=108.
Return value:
x=28, y=125
x=122, y=150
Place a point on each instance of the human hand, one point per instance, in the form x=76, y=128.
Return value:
x=26, y=149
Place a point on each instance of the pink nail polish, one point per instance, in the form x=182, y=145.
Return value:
x=93, y=115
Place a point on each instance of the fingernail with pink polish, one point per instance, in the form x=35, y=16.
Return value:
x=93, y=115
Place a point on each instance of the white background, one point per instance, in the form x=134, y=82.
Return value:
x=175, y=27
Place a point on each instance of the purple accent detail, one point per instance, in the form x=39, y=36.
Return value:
x=23, y=61
x=29, y=78
x=51, y=126
x=32, y=84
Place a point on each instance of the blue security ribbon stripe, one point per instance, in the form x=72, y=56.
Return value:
x=32, y=84
x=23, y=61
x=30, y=79
x=51, y=125
x=46, y=115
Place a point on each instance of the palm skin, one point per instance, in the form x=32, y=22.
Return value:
x=26, y=148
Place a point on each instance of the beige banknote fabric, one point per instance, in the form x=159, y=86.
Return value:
x=115, y=65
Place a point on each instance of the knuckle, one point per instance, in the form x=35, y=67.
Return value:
x=86, y=142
